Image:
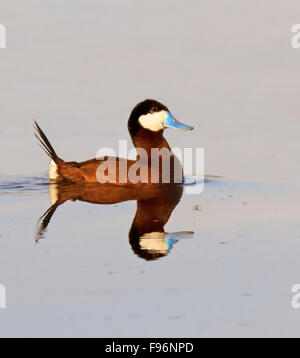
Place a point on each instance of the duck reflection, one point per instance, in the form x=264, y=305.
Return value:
x=155, y=205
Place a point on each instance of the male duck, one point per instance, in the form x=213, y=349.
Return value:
x=146, y=124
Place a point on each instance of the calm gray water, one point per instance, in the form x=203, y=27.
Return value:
x=228, y=69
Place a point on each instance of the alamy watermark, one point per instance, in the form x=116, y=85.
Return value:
x=2, y=36
x=2, y=297
x=296, y=297
x=155, y=165
x=296, y=38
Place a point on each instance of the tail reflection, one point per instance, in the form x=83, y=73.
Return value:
x=155, y=204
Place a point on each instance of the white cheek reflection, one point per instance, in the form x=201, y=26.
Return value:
x=154, y=241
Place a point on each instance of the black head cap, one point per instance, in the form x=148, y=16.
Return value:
x=144, y=107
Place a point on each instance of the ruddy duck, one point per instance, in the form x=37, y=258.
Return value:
x=146, y=124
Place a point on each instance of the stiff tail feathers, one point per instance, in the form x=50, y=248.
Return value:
x=44, y=143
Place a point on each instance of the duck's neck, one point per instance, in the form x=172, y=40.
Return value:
x=147, y=140
x=165, y=166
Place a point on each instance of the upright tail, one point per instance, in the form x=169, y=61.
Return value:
x=44, y=143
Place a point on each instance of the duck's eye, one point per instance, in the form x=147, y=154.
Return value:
x=153, y=110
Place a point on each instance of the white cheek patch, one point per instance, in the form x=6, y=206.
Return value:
x=153, y=121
